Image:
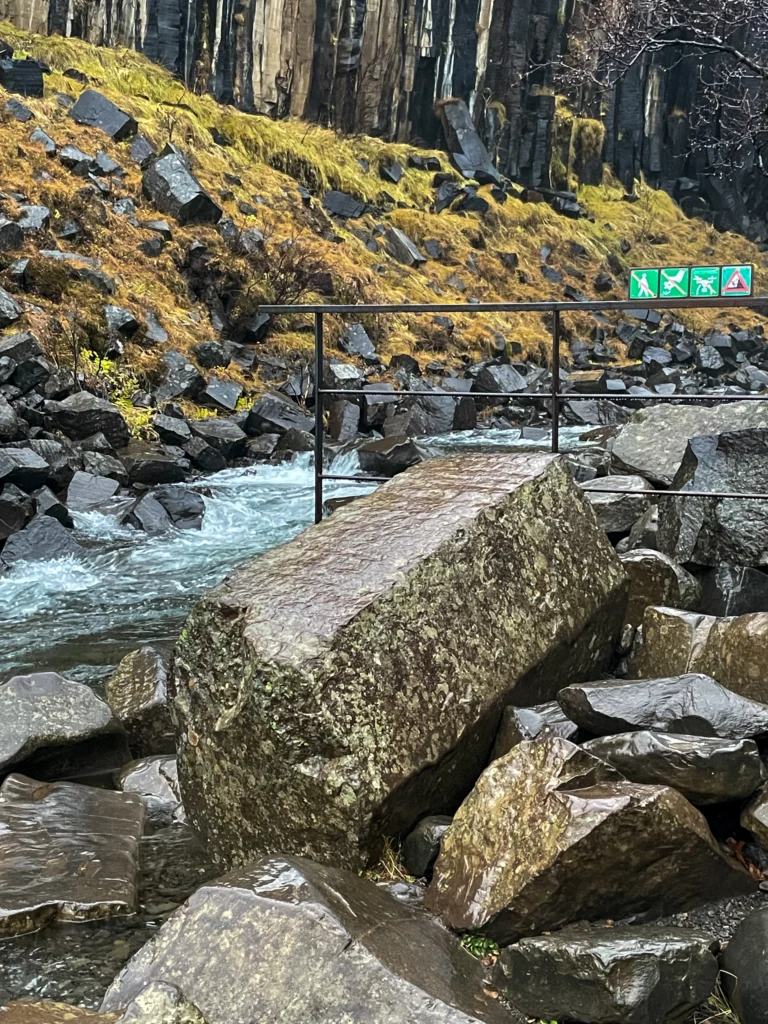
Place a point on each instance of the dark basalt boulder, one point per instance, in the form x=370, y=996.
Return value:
x=402, y=248
x=365, y=956
x=275, y=414
x=422, y=845
x=24, y=77
x=624, y=975
x=172, y=430
x=343, y=420
x=23, y=467
x=499, y=379
x=354, y=341
x=137, y=692
x=9, y=422
x=82, y=415
x=549, y=836
x=617, y=513
x=11, y=235
x=16, y=510
x=174, y=190
x=518, y=724
x=182, y=378
x=203, y=455
x=49, y=724
x=97, y=111
x=41, y=541
x=705, y=769
x=744, y=976
x=388, y=747
x=185, y=508
x=150, y=516
x=390, y=455
x=47, y=504
x=155, y=780
x=754, y=817
x=10, y=310
x=221, y=433
x=468, y=152
x=339, y=204
x=731, y=590
x=69, y=853
x=87, y=492
x=148, y=464
x=709, y=531
x=211, y=354
x=221, y=394
x=692, y=705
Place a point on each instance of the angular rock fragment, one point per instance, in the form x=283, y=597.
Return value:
x=730, y=590
x=339, y=204
x=422, y=845
x=156, y=781
x=354, y=341
x=83, y=414
x=754, y=817
x=364, y=955
x=468, y=152
x=10, y=310
x=405, y=618
x=275, y=414
x=137, y=692
x=548, y=836
x=518, y=724
x=23, y=467
x=67, y=853
x=692, y=705
x=185, y=507
x=617, y=513
x=402, y=248
x=97, y=111
x=744, y=977
x=42, y=540
x=86, y=491
x=732, y=650
x=11, y=235
x=654, y=441
x=390, y=455
x=624, y=975
x=705, y=769
x=174, y=190
x=655, y=579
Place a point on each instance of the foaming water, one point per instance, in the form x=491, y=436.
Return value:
x=76, y=615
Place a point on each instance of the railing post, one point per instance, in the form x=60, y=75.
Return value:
x=555, y=381
x=319, y=396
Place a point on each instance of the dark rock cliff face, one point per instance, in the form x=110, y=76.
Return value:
x=380, y=66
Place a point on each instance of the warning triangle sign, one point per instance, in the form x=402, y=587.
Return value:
x=736, y=284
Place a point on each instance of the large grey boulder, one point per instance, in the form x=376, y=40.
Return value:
x=312, y=944
x=94, y=109
x=705, y=769
x=732, y=650
x=173, y=188
x=82, y=415
x=625, y=975
x=549, y=836
x=49, y=726
x=745, y=978
x=341, y=686
x=137, y=692
x=67, y=853
x=691, y=704
x=656, y=579
x=731, y=590
x=713, y=530
x=42, y=540
x=617, y=513
x=654, y=441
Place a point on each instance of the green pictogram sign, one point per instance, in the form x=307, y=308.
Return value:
x=644, y=284
x=690, y=282
x=705, y=282
x=673, y=282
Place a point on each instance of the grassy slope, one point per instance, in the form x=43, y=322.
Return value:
x=271, y=157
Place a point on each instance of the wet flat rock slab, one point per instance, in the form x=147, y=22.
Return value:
x=67, y=852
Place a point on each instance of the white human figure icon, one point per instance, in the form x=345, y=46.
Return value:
x=643, y=288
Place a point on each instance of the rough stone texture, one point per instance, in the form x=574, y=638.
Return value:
x=42, y=540
x=549, y=835
x=53, y=1013
x=67, y=852
x=82, y=415
x=656, y=579
x=48, y=722
x=96, y=110
x=692, y=705
x=156, y=781
x=137, y=693
x=754, y=817
x=363, y=955
x=617, y=513
x=422, y=845
x=705, y=769
x=654, y=441
x=625, y=975
x=745, y=978
x=518, y=724
x=708, y=531
x=174, y=190
x=732, y=650
x=159, y=1003
x=412, y=652
x=731, y=590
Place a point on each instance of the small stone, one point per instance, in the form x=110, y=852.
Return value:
x=137, y=692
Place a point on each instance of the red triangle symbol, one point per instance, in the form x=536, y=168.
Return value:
x=736, y=285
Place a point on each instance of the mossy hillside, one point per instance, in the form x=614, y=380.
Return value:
x=270, y=158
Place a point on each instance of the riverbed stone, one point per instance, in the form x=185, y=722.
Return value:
x=400, y=626
x=731, y=590
x=42, y=540
x=83, y=414
x=137, y=692
x=156, y=781
x=617, y=513
x=49, y=724
x=364, y=956
x=705, y=769
x=275, y=414
x=654, y=441
x=389, y=456
x=642, y=974
x=708, y=531
x=422, y=845
x=692, y=704
x=518, y=724
x=656, y=579
x=549, y=836
x=67, y=853
x=732, y=650
x=744, y=977
x=86, y=491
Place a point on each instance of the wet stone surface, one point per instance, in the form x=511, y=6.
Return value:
x=75, y=963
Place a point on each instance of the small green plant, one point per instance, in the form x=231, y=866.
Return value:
x=479, y=946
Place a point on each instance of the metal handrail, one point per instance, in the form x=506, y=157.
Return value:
x=556, y=396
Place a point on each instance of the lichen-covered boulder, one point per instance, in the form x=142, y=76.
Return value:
x=643, y=974
x=67, y=852
x=137, y=692
x=289, y=941
x=705, y=769
x=549, y=835
x=732, y=650
x=655, y=578
x=342, y=686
